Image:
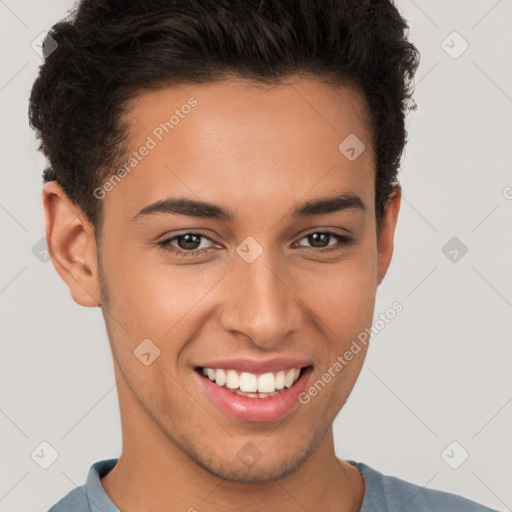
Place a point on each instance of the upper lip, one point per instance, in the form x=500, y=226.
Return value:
x=256, y=366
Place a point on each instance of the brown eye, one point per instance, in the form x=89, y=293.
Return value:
x=320, y=240
x=187, y=244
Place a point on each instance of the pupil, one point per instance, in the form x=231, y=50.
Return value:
x=315, y=237
x=191, y=241
x=187, y=241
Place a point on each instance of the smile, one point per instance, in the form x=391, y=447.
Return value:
x=253, y=385
x=254, y=397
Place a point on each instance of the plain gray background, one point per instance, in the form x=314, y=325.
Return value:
x=438, y=373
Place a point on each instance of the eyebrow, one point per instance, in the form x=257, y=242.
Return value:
x=206, y=210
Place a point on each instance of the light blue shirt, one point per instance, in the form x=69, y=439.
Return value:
x=383, y=493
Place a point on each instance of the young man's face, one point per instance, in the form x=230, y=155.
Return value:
x=258, y=286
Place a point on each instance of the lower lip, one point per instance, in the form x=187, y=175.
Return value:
x=256, y=409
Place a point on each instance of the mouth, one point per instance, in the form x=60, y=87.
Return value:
x=255, y=397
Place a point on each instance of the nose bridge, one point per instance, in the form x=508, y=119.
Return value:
x=261, y=304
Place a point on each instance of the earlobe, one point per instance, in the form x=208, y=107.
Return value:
x=71, y=245
x=385, y=242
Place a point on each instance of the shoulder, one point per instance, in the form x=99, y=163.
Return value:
x=75, y=501
x=91, y=495
x=386, y=492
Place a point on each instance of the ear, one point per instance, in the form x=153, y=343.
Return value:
x=71, y=245
x=387, y=232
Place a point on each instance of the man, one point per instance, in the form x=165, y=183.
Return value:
x=222, y=183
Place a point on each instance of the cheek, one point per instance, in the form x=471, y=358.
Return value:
x=342, y=294
x=152, y=296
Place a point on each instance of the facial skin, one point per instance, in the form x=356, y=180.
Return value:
x=260, y=152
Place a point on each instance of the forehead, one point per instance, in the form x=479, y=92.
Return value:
x=209, y=140
x=239, y=103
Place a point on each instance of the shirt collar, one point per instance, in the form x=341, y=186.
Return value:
x=99, y=501
x=97, y=498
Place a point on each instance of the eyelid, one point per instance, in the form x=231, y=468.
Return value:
x=324, y=230
x=327, y=229
x=170, y=238
x=343, y=240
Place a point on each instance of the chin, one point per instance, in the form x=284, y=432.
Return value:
x=251, y=466
x=241, y=474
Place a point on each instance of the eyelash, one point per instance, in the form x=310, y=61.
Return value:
x=344, y=240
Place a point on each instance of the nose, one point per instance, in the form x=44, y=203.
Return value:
x=261, y=302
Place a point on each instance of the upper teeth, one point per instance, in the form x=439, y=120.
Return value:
x=250, y=382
